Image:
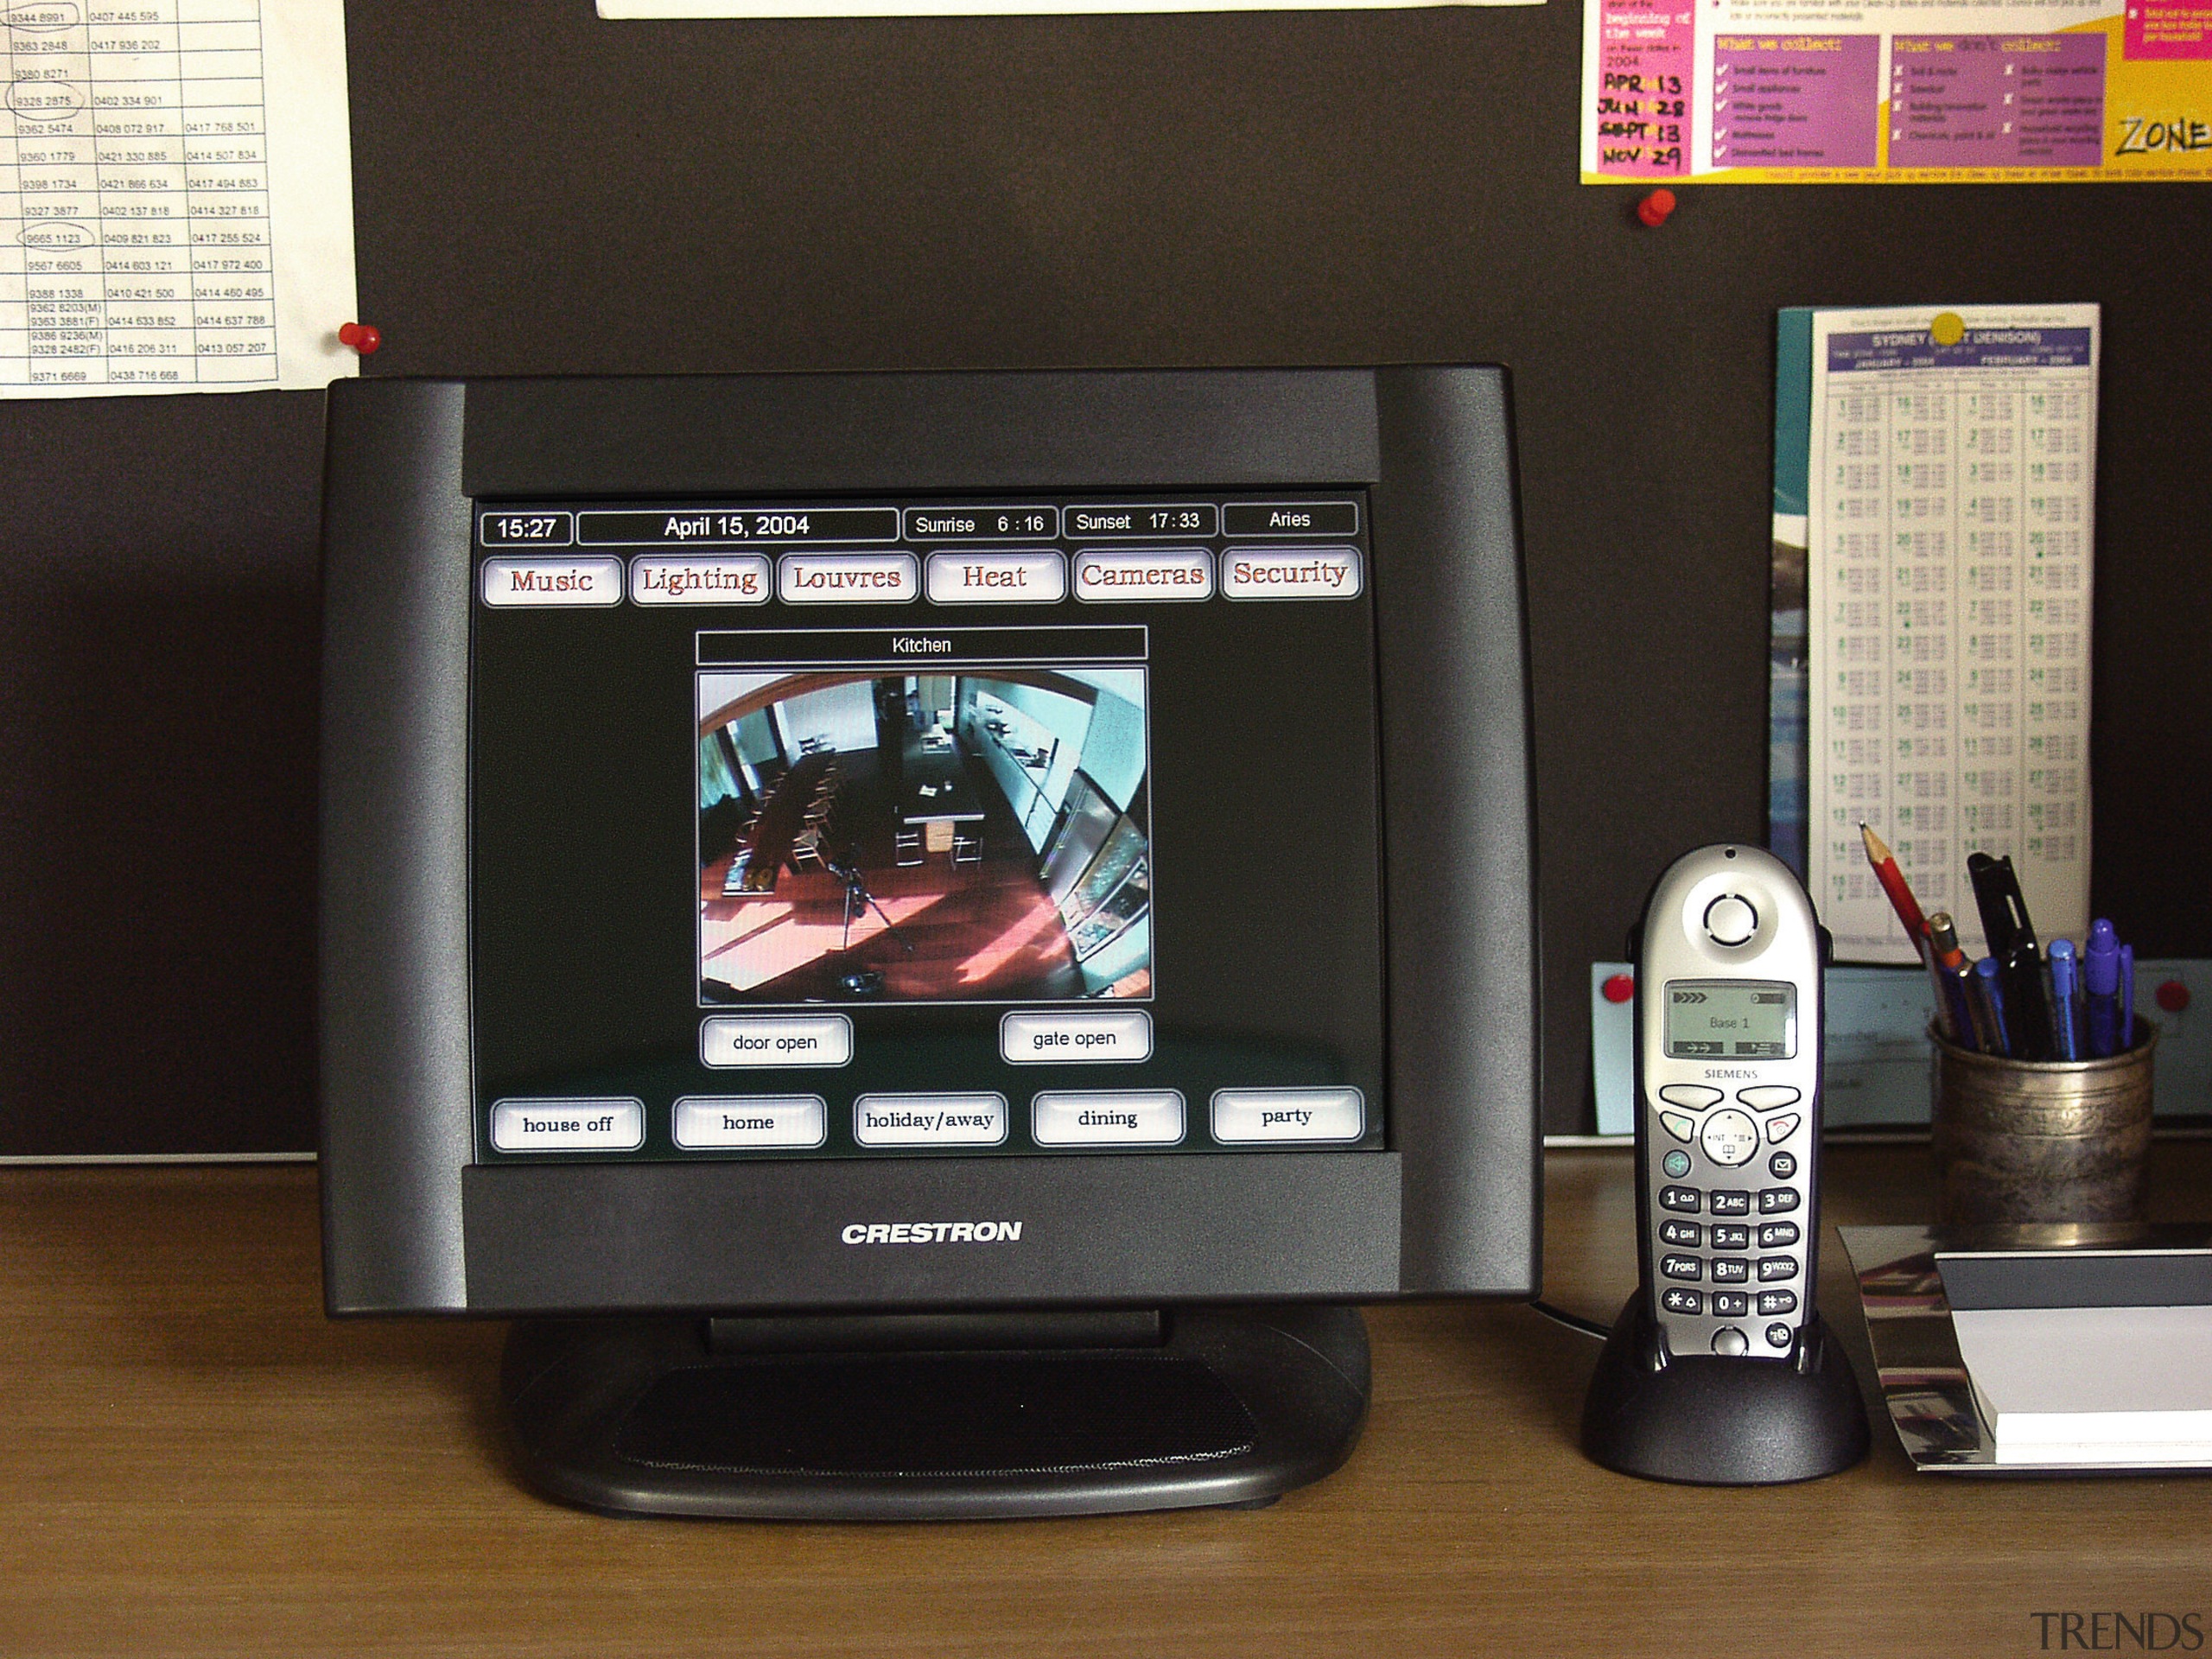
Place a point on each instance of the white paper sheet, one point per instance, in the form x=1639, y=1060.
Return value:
x=2099, y=1385
x=176, y=200
x=1952, y=489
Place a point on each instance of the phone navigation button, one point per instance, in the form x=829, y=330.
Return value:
x=1730, y=1138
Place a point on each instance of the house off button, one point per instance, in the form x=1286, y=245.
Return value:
x=1053, y=1039
x=588, y=1125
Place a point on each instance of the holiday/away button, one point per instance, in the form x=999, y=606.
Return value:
x=929, y=1119
x=591, y=1125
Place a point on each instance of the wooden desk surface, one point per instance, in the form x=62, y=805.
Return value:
x=193, y=1460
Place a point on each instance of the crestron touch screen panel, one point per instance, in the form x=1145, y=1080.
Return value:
x=870, y=841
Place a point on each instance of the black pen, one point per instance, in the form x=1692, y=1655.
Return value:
x=2012, y=943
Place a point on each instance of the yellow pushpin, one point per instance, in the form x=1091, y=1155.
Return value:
x=1949, y=328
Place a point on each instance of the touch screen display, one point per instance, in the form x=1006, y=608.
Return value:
x=1732, y=1019
x=850, y=827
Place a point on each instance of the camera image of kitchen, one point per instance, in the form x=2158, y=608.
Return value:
x=939, y=837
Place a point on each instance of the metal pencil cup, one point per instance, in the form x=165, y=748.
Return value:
x=2027, y=1141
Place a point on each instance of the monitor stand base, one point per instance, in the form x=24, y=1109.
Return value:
x=909, y=1417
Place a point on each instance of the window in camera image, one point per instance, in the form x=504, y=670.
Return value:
x=924, y=837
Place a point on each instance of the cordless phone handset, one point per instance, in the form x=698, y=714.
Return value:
x=1728, y=1024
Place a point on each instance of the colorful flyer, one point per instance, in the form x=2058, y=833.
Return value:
x=1896, y=92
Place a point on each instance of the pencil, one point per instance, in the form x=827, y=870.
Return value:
x=1894, y=884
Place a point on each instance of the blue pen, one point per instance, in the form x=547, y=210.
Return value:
x=1985, y=973
x=2062, y=997
x=2126, y=999
x=2101, y=989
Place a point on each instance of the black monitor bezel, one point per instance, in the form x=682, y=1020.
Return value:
x=413, y=1226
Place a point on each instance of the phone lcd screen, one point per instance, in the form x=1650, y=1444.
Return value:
x=1732, y=1019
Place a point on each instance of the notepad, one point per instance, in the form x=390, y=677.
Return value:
x=2091, y=1385
x=2098, y=1375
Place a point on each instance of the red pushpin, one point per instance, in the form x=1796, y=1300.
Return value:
x=1654, y=208
x=2173, y=996
x=363, y=337
x=1618, y=988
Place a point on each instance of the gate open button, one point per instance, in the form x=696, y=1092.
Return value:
x=1037, y=1038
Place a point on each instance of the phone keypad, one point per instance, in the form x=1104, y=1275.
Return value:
x=1679, y=1269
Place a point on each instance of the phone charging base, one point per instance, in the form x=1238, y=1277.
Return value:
x=1704, y=1420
